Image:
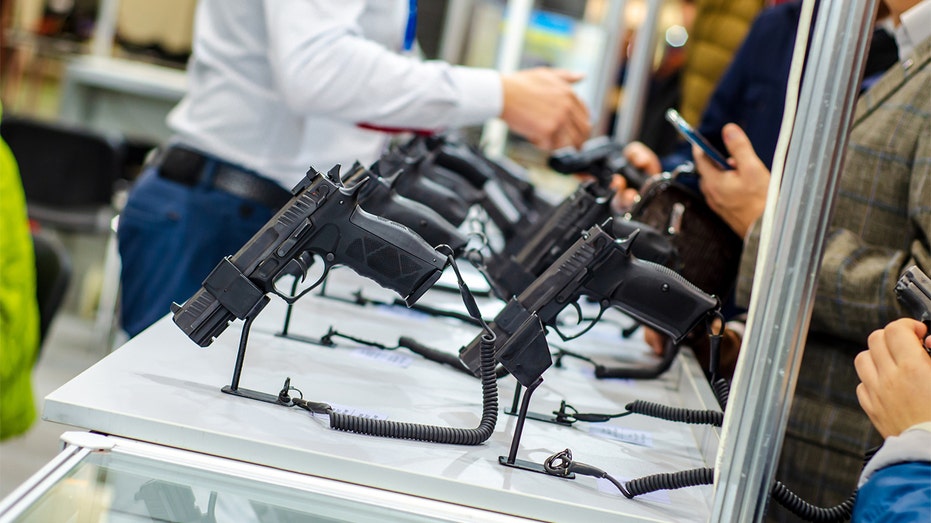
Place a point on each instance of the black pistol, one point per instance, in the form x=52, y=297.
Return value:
x=322, y=218
x=404, y=175
x=602, y=268
x=914, y=292
x=600, y=157
x=503, y=197
x=508, y=274
x=377, y=197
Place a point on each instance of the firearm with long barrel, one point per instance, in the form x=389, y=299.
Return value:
x=376, y=196
x=914, y=292
x=322, y=218
x=602, y=268
x=600, y=157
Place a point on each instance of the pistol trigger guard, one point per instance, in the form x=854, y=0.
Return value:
x=293, y=298
x=578, y=312
x=565, y=337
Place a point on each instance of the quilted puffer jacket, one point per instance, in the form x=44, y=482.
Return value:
x=718, y=30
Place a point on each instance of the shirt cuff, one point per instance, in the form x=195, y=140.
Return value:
x=912, y=445
x=481, y=95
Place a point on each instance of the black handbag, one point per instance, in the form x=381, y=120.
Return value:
x=708, y=251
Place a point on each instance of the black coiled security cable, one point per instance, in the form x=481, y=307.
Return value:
x=694, y=417
x=809, y=512
x=561, y=464
x=780, y=493
x=433, y=433
x=668, y=481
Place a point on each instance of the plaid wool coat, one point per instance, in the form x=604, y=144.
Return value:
x=880, y=226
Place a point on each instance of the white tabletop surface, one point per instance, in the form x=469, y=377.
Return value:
x=161, y=388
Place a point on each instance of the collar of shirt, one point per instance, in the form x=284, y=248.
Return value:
x=914, y=29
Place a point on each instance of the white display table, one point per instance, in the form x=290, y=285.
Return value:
x=161, y=388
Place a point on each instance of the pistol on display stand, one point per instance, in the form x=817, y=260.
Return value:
x=914, y=292
x=404, y=175
x=602, y=268
x=589, y=205
x=510, y=201
x=322, y=218
x=376, y=196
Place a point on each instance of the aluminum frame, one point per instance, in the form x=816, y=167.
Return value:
x=785, y=277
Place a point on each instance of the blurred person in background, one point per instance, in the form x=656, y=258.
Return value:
x=19, y=310
x=277, y=86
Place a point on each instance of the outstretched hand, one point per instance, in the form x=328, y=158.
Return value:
x=737, y=195
x=540, y=105
x=896, y=377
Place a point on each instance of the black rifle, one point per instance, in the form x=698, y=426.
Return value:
x=322, y=218
x=377, y=197
x=602, y=268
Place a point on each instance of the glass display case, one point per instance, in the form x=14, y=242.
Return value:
x=106, y=478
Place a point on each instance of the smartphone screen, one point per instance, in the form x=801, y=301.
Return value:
x=695, y=138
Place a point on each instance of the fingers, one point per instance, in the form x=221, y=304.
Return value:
x=579, y=128
x=569, y=76
x=618, y=182
x=655, y=340
x=703, y=164
x=642, y=157
x=540, y=105
x=879, y=352
x=738, y=144
x=866, y=369
x=903, y=340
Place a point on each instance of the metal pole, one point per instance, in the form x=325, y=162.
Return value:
x=791, y=248
x=518, y=12
x=105, y=28
x=454, y=30
x=614, y=33
x=630, y=112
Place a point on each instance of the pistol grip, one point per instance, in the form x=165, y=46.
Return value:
x=390, y=254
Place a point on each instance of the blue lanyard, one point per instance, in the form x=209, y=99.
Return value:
x=410, y=33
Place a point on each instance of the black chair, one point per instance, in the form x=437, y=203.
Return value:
x=53, y=274
x=68, y=172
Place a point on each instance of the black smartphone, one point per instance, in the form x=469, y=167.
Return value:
x=695, y=138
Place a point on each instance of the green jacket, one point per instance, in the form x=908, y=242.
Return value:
x=19, y=312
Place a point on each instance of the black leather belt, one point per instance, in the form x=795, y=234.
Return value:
x=187, y=166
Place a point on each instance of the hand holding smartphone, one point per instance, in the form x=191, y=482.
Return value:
x=695, y=138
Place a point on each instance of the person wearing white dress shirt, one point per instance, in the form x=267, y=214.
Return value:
x=277, y=86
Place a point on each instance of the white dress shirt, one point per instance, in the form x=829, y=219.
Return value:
x=915, y=27
x=278, y=86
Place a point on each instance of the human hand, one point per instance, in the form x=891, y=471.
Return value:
x=656, y=340
x=540, y=105
x=896, y=377
x=624, y=198
x=737, y=195
x=642, y=157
